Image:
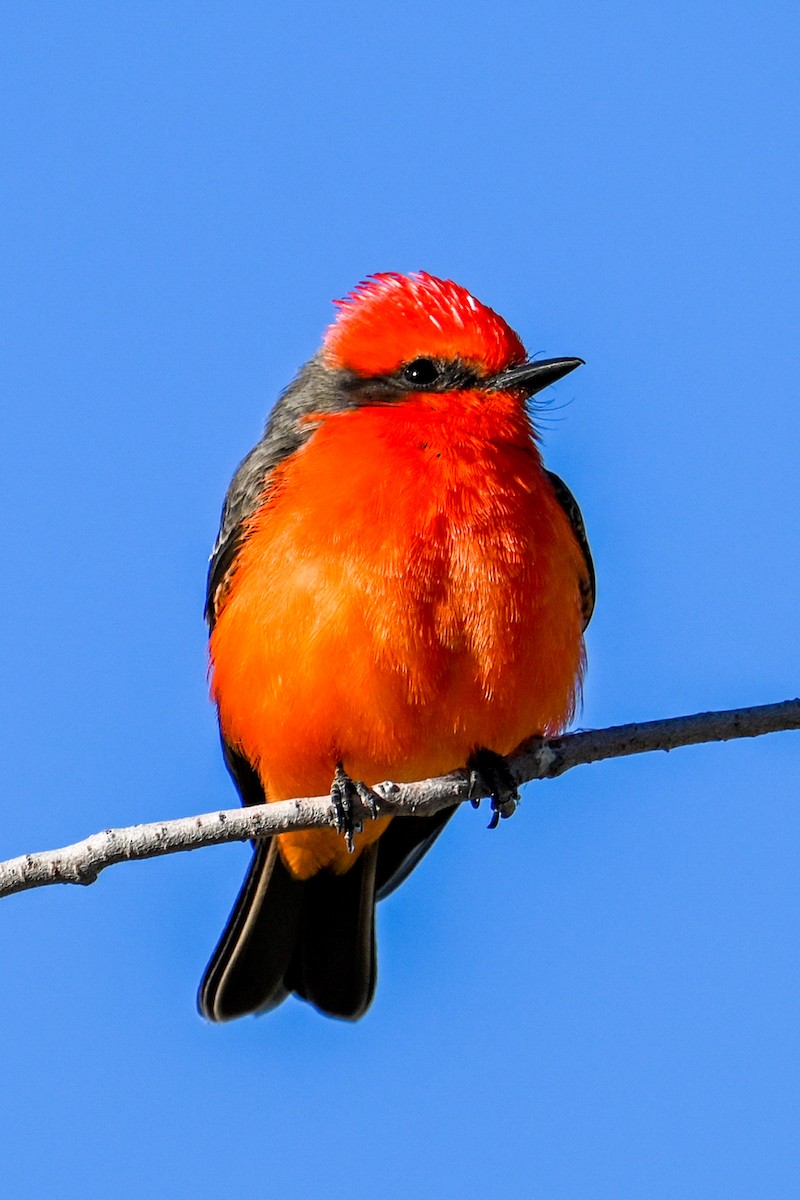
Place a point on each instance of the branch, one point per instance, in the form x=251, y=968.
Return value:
x=538, y=758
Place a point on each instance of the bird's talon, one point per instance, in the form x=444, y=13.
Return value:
x=343, y=789
x=342, y=796
x=502, y=809
x=338, y=811
x=491, y=773
x=507, y=806
x=367, y=797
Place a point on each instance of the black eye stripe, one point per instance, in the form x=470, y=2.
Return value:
x=436, y=375
x=418, y=375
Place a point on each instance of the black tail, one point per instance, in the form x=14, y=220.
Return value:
x=315, y=938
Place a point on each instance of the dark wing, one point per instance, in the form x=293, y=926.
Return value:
x=570, y=506
x=245, y=494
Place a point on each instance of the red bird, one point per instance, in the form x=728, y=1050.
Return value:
x=399, y=588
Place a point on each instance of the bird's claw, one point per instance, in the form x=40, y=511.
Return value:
x=475, y=785
x=490, y=772
x=343, y=791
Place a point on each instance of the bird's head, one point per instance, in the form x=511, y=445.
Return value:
x=398, y=334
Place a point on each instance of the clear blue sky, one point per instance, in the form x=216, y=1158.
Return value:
x=600, y=1000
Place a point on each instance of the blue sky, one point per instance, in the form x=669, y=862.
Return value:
x=601, y=999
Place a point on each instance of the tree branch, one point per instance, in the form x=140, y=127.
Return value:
x=536, y=759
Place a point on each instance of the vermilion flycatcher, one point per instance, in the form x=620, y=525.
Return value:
x=399, y=588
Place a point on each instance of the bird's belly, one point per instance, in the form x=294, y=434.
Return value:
x=395, y=625
x=399, y=674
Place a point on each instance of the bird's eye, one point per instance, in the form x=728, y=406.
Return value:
x=421, y=373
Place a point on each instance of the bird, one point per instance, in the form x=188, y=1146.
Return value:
x=399, y=588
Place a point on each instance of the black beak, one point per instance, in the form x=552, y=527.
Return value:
x=532, y=377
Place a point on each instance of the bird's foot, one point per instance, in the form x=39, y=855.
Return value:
x=343, y=791
x=491, y=773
